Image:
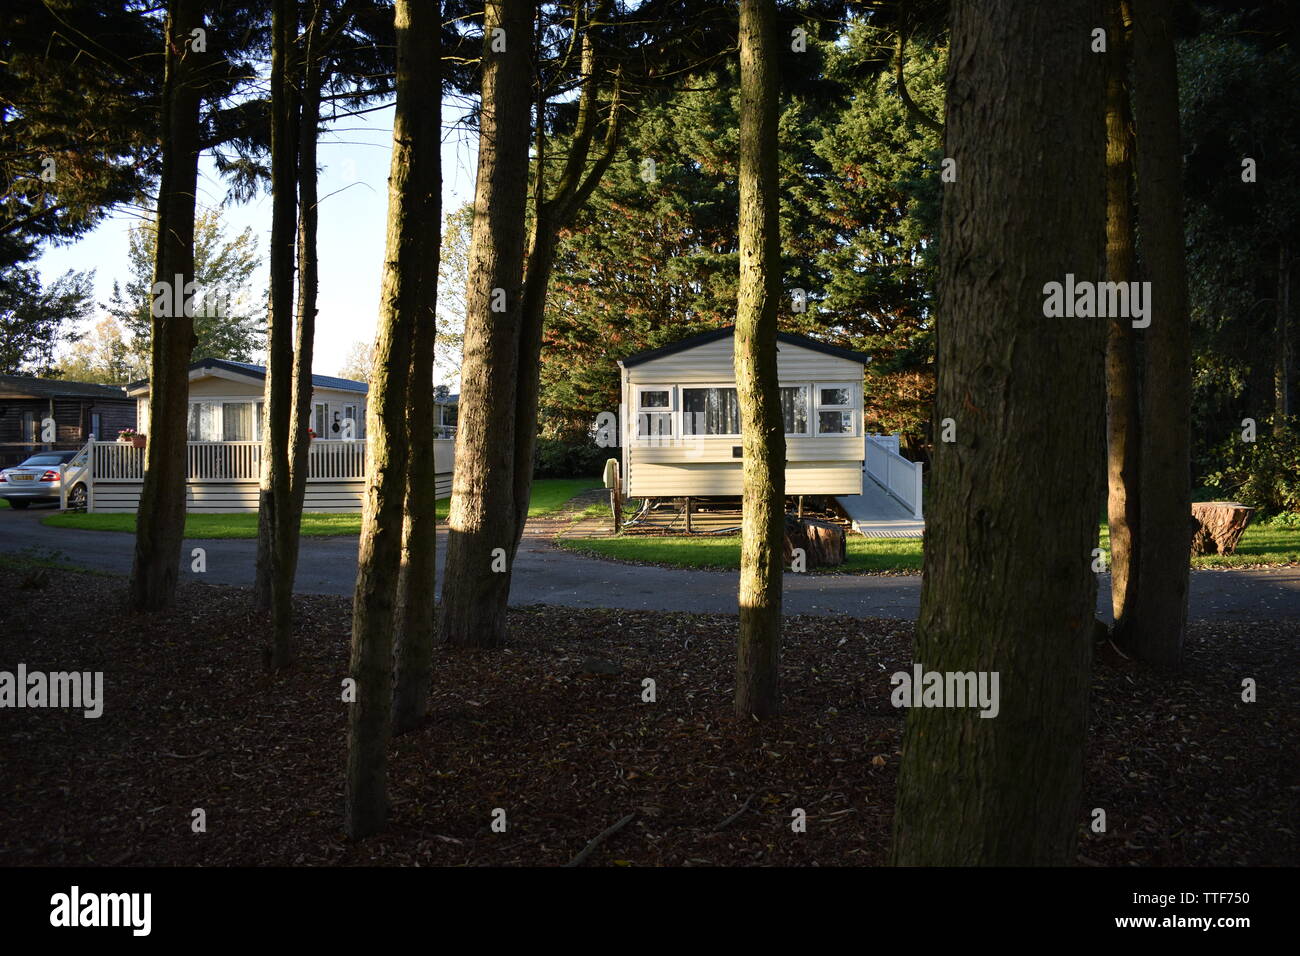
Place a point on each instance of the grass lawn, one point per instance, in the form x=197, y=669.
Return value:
x=1271, y=543
x=549, y=494
x=864, y=554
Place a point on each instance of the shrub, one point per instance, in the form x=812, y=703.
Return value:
x=561, y=459
x=1264, y=473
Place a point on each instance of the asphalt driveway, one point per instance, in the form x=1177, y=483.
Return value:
x=546, y=575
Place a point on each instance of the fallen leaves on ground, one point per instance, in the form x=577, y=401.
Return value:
x=1187, y=773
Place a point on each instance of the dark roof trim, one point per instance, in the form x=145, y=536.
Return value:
x=14, y=386
x=259, y=371
x=704, y=338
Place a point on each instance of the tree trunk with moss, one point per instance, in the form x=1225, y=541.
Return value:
x=411, y=244
x=758, y=649
x=161, y=525
x=1002, y=594
x=416, y=626
x=481, y=520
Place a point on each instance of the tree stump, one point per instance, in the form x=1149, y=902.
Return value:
x=1219, y=526
x=822, y=542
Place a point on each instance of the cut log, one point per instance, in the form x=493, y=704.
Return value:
x=1219, y=526
x=823, y=543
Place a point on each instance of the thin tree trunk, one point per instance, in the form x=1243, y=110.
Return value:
x=758, y=647
x=1282, y=348
x=289, y=535
x=1159, y=631
x=1002, y=594
x=413, y=654
x=411, y=244
x=1122, y=389
x=481, y=521
x=551, y=214
x=274, y=510
x=161, y=524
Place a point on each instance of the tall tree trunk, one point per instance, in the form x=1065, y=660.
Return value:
x=274, y=511
x=413, y=657
x=481, y=521
x=1282, y=348
x=289, y=533
x=578, y=180
x=758, y=647
x=1158, y=633
x=161, y=524
x=411, y=244
x=1002, y=594
x=1122, y=388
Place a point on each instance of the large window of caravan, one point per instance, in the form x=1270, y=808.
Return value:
x=218, y=420
x=808, y=409
x=710, y=411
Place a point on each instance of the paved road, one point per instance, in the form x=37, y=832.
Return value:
x=544, y=575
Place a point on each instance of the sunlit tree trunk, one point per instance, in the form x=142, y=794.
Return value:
x=758, y=649
x=160, y=525
x=1012, y=513
x=1122, y=389
x=481, y=521
x=413, y=656
x=405, y=295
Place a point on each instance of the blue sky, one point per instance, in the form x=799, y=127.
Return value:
x=353, y=217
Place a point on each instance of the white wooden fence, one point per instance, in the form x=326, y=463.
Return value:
x=898, y=476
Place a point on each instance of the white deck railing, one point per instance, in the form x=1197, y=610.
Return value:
x=231, y=461
x=900, y=477
x=242, y=460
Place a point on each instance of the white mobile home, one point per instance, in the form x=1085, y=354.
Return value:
x=224, y=450
x=681, y=419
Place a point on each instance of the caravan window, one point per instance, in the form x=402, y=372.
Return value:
x=237, y=421
x=201, y=424
x=654, y=407
x=710, y=411
x=836, y=409
x=794, y=409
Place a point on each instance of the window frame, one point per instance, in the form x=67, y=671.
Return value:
x=670, y=412
x=705, y=385
x=809, y=413
x=852, y=407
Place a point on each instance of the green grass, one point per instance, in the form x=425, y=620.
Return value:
x=552, y=494
x=864, y=554
x=1267, y=543
x=549, y=495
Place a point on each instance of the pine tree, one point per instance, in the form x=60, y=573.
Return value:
x=758, y=647
x=1025, y=126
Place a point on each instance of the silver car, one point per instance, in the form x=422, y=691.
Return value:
x=39, y=479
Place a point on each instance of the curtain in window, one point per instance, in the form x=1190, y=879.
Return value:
x=237, y=421
x=202, y=426
x=710, y=411
x=794, y=409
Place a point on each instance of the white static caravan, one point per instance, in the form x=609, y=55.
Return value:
x=224, y=449
x=681, y=422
